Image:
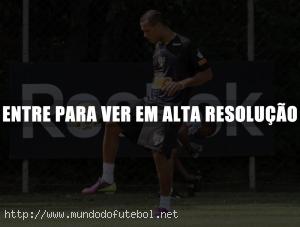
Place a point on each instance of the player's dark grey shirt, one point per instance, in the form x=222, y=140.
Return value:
x=174, y=61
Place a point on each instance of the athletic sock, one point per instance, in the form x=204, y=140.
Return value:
x=165, y=202
x=108, y=173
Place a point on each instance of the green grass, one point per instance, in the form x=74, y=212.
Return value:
x=206, y=209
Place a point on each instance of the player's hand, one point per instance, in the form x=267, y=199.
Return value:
x=172, y=87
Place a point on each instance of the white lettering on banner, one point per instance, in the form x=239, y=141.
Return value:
x=88, y=112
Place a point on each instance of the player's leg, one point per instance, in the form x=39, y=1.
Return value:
x=110, y=142
x=184, y=134
x=206, y=130
x=164, y=167
x=194, y=149
x=109, y=152
x=182, y=170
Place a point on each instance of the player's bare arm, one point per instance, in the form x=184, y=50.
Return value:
x=198, y=79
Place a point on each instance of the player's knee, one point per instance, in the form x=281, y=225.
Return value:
x=159, y=156
x=113, y=128
x=183, y=131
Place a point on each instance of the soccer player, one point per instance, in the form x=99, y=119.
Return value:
x=177, y=66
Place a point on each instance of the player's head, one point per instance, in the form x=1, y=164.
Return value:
x=153, y=25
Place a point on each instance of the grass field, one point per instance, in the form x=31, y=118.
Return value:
x=206, y=209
